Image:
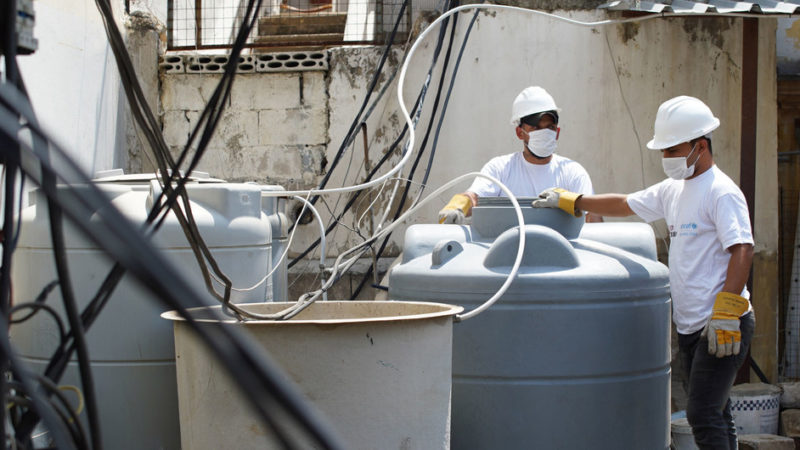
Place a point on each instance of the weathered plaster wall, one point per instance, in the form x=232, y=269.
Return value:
x=788, y=46
x=146, y=37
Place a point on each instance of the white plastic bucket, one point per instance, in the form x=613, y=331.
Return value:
x=755, y=408
x=379, y=371
x=682, y=437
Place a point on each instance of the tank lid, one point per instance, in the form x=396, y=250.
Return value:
x=119, y=176
x=494, y=215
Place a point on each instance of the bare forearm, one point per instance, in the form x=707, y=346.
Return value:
x=738, y=268
x=605, y=205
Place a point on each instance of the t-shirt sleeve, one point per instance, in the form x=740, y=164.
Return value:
x=648, y=203
x=484, y=187
x=732, y=220
x=581, y=182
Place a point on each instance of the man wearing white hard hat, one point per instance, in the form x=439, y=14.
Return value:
x=534, y=115
x=710, y=254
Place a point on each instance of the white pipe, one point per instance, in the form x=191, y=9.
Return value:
x=321, y=241
x=309, y=298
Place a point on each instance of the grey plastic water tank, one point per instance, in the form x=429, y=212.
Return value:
x=575, y=355
x=130, y=346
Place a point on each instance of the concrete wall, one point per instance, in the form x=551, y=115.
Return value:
x=788, y=46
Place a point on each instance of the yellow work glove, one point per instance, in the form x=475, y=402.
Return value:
x=457, y=210
x=558, y=198
x=722, y=329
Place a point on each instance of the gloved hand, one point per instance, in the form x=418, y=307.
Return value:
x=559, y=198
x=722, y=329
x=456, y=210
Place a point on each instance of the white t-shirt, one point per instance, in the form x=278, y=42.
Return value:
x=528, y=180
x=705, y=216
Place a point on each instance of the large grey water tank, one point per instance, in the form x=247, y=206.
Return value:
x=130, y=346
x=575, y=355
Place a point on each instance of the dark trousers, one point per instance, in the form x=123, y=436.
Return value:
x=709, y=383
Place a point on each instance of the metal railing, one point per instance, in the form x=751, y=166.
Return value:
x=207, y=24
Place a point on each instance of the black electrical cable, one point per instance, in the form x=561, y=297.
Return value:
x=68, y=298
x=354, y=126
x=61, y=356
x=110, y=230
x=35, y=308
x=39, y=404
x=354, y=196
x=71, y=309
x=415, y=111
x=399, y=210
x=8, y=47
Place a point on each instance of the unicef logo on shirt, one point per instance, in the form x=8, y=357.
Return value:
x=688, y=229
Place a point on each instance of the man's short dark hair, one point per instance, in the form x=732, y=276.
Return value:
x=708, y=142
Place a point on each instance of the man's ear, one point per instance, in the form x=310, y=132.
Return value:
x=521, y=134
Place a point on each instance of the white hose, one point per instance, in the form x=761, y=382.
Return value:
x=309, y=298
x=321, y=241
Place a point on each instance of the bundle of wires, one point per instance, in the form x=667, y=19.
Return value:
x=33, y=398
x=360, y=122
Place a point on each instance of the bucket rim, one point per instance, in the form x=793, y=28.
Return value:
x=752, y=390
x=445, y=311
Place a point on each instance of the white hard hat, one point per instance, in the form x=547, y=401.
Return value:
x=531, y=101
x=681, y=119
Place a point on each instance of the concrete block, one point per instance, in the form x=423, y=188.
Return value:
x=266, y=91
x=306, y=126
x=236, y=129
x=177, y=125
x=187, y=92
x=206, y=63
x=790, y=399
x=172, y=64
x=765, y=442
x=790, y=422
x=247, y=64
x=271, y=164
x=292, y=61
x=315, y=93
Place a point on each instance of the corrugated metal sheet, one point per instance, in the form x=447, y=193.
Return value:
x=708, y=7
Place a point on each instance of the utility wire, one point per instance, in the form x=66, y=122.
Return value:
x=416, y=109
x=111, y=231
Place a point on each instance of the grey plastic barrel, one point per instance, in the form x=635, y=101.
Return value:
x=575, y=355
x=130, y=346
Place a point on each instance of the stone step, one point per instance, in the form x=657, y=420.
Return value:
x=321, y=38
x=297, y=24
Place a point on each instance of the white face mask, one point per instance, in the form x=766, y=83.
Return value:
x=542, y=143
x=676, y=169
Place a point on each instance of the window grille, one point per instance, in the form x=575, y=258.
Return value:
x=205, y=24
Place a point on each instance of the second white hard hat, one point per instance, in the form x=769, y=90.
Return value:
x=679, y=120
x=531, y=101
